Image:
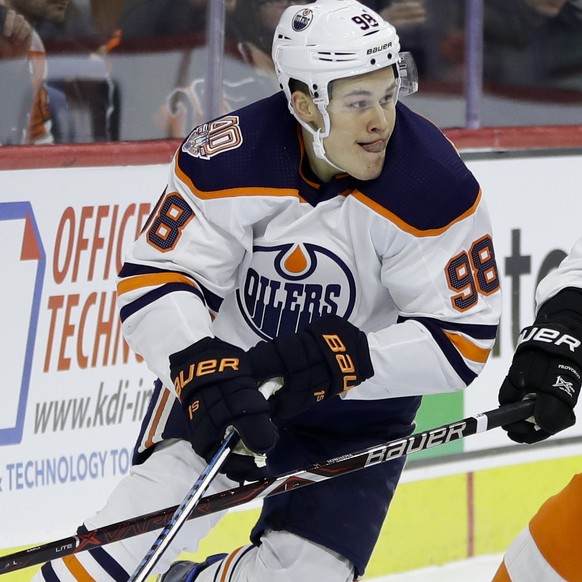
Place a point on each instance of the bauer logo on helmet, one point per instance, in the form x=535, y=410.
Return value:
x=377, y=49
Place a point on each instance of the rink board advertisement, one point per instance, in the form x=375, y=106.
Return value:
x=73, y=392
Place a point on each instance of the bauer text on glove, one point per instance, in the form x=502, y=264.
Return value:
x=326, y=358
x=547, y=365
x=214, y=384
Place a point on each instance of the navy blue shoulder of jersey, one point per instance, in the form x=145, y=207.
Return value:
x=256, y=146
x=424, y=182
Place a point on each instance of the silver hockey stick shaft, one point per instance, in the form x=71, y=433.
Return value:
x=193, y=496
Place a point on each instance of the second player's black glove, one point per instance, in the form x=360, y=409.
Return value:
x=214, y=384
x=547, y=365
x=328, y=357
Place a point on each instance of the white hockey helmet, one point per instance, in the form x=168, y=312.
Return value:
x=334, y=39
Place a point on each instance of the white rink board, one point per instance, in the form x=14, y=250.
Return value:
x=535, y=205
x=63, y=234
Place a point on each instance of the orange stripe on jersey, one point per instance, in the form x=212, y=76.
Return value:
x=156, y=420
x=557, y=530
x=152, y=280
x=467, y=348
x=227, y=564
x=77, y=570
x=501, y=575
x=232, y=192
x=408, y=227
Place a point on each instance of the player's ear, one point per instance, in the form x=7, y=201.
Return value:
x=304, y=106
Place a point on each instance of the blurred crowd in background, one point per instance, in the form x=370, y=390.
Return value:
x=78, y=71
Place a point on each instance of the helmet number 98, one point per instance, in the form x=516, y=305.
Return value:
x=365, y=21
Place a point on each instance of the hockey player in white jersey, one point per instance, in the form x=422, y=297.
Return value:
x=344, y=247
x=547, y=366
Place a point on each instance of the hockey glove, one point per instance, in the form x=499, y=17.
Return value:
x=214, y=384
x=547, y=366
x=328, y=357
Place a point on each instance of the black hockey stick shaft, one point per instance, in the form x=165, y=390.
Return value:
x=272, y=486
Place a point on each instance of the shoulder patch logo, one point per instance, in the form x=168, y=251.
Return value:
x=210, y=139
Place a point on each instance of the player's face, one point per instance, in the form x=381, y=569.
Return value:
x=362, y=112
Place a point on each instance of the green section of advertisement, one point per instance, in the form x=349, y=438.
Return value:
x=436, y=410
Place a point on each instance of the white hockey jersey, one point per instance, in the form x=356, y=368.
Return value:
x=247, y=244
x=568, y=274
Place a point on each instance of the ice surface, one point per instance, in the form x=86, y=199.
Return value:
x=479, y=569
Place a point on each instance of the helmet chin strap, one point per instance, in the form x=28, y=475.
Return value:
x=319, y=135
x=319, y=149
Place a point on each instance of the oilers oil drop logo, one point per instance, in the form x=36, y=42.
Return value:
x=288, y=286
x=302, y=19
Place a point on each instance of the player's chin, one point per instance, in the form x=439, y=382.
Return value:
x=369, y=169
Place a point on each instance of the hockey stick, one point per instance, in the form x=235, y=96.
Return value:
x=171, y=529
x=272, y=486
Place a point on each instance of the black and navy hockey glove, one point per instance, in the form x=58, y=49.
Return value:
x=214, y=384
x=547, y=366
x=328, y=357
